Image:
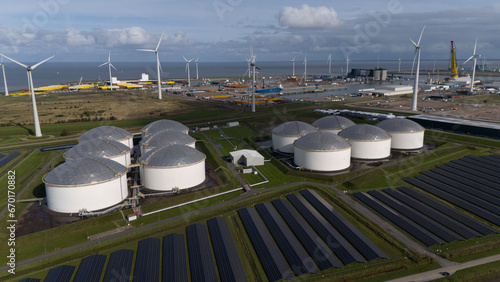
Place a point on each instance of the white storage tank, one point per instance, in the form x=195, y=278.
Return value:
x=108, y=132
x=322, y=151
x=368, y=141
x=88, y=183
x=174, y=166
x=285, y=134
x=162, y=124
x=333, y=124
x=165, y=138
x=103, y=148
x=406, y=134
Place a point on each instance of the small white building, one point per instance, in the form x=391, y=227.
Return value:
x=389, y=90
x=232, y=124
x=247, y=158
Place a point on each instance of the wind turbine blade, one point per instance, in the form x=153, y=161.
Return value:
x=421, y=35
x=102, y=64
x=415, y=44
x=475, y=45
x=196, y=60
x=109, y=57
x=146, y=50
x=161, y=69
x=471, y=57
x=184, y=58
x=161, y=37
x=34, y=66
x=22, y=65
x=413, y=65
x=112, y=66
x=293, y=60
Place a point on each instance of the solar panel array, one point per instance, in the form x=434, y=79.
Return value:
x=174, y=258
x=61, y=273
x=147, y=261
x=8, y=158
x=471, y=183
x=201, y=262
x=29, y=280
x=119, y=266
x=90, y=268
x=424, y=218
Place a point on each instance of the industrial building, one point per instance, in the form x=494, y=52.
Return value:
x=172, y=167
x=103, y=148
x=89, y=184
x=285, y=134
x=406, y=134
x=333, y=124
x=368, y=141
x=247, y=158
x=388, y=90
x=322, y=151
x=376, y=74
x=162, y=124
x=108, y=132
x=166, y=138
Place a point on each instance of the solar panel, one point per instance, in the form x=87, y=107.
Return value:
x=269, y=255
x=90, y=268
x=226, y=255
x=429, y=211
x=490, y=160
x=119, y=266
x=29, y=280
x=455, y=181
x=314, y=245
x=9, y=158
x=481, y=174
x=483, y=162
x=365, y=247
x=407, y=225
x=174, y=258
x=449, y=211
x=455, y=200
x=201, y=260
x=298, y=259
x=147, y=261
x=338, y=244
x=468, y=175
x=430, y=225
x=480, y=165
x=61, y=273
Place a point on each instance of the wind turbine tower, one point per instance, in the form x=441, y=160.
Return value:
x=293, y=67
x=38, y=131
x=4, y=78
x=187, y=70
x=329, y=60
x=158, y=66
x=109, y=65
x=474, y=57
x=305, y=68
x=399, y=66
x=347, y=66
x=196, y=63
x=252, y=64
x=415, y=87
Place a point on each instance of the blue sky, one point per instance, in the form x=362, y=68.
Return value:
x=224, y=30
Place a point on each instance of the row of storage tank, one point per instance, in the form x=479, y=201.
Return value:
x=94, y=175
x=331, y=142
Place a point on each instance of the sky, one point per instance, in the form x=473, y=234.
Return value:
x=226, y=30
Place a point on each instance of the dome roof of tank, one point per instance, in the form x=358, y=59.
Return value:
x=333, y=122
x=84, y=171
x=294, y=129
x=365, y=132
x=172, y=156
x=106, y=132
x=167, y=137
x=400, y=125
x=163, y=124
x=105, y=148
x=322, y=141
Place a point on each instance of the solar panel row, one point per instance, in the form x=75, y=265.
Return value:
x=364, y=245
x=61, y=273
x=9, y=158
x=228, y=261
x=343, y=249
x=411, y=228
x=493, y=181
x=29, y=280
x=468, y=175
x=90, y=269
x=454, y=200
x=471, y=165
x=147, y=262
x=269, y=255
x=434, y=214
x=296, y=256
x=484, y=161
x=430, y=225
x=201, y=262
x=314, y=245
x=174, y=258
x=119, y=266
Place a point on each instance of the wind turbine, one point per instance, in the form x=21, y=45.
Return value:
x=187, y=70
x=473, y=57
x=158, y=66
x=38, y=131
x=434, y=65
x=305, y=68
x=329, y=60
x=347, y=65
x=109, y=65
x=399, y=66
x=417, y=55
x=252, y=64
x=4, y=78
x=293, y=67
x=196, y=62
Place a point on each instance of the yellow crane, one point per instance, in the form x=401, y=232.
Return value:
x=454, y=67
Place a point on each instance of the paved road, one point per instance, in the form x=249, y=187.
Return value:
x=436, y=273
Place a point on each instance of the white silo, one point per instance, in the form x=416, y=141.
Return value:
x=160, y=125
x=406, y=134
x=322, y=151
x=165, y=138
x=368, y=141
x=104, y=148
x=86, y=183
x=174, y=166
x=108, y=132
x=285, y=134
x=333, y=124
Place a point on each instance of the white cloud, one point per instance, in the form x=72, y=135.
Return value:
x=76, y=38
x=309, y=17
